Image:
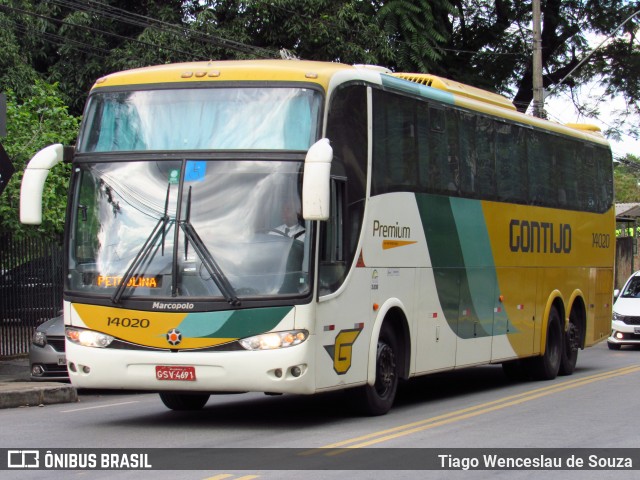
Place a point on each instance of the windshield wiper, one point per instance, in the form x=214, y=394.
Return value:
x=152, y=239
x=143, y=253
x=217, y=275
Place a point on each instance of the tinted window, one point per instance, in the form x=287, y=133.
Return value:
x=421, y=146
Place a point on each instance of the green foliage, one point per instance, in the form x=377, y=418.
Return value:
x=416, y=32
x=16, y=70
x=71, y=43
x=32, y=124
x=626, y=180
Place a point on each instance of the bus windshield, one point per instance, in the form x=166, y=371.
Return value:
x=223, y=118
x=189, y=228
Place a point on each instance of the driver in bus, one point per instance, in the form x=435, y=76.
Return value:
x=291, y=222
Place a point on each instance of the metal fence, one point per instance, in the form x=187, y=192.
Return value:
x=31, y=280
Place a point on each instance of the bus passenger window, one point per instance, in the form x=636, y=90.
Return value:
x=453, y=153
x=438, y=165
x=468, y=154
x=511, y=166
x=485, y=154
x=541, y=169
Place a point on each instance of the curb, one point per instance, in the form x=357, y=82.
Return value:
x=27, y=394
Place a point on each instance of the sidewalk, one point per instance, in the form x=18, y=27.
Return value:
x=17, y=390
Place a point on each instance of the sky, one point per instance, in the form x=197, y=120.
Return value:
x=560, y=108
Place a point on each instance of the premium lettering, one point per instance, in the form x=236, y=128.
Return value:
x=390, y=231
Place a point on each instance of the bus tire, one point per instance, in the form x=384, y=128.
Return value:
x=378, y=399
x=547, y=366
x=570, y=348
x=184, y=401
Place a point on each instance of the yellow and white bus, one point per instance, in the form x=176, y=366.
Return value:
x=301, y=227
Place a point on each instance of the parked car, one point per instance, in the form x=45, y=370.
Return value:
x=47, y=354
x=32, y=290
x=625, y=325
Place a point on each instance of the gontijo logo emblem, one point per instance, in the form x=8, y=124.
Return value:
x=393, y=235
x=342, y=350
x=174, y=337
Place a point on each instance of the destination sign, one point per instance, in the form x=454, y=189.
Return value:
x=136, y=281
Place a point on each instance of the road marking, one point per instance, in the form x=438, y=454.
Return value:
x=99, y=406
x=465, y=413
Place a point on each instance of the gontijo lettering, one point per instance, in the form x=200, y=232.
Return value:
x=530, y=236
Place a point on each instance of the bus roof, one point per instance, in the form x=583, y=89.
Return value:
x=229, y=70
x=425, y=85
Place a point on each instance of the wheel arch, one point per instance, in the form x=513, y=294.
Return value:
x=393, y=312
x=578, y=314
x=555, y=300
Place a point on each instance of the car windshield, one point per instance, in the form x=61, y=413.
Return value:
x=632, y=289
x=189, y=228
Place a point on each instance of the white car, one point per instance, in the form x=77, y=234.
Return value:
x=625, y=325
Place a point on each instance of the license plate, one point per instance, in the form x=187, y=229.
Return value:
x=62, y=360
x=175, y=373
x=636, y=329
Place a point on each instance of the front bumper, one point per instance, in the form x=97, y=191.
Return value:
x=624, y=334
x=272, y=371
x=47, y=364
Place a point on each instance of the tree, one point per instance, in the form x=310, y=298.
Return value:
x=16, y=69
x=626, y=180
x=38, y=121
x=490, y=46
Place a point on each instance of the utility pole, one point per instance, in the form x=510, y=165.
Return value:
x=538, y=89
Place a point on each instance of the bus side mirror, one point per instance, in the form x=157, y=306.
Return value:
x=315, y=183
x=33, y=182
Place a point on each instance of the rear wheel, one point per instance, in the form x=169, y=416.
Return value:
x=184, y=401
x=378, y=399
x=547, y=366
x=571, y=346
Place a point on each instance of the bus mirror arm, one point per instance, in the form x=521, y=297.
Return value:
x=316, y=181
x=33, y=182
x=68, y=151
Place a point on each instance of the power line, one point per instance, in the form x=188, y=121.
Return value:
x=557, y=85
x=85, y=27
x=136, y=20
x=57, y=39
x=125, y=16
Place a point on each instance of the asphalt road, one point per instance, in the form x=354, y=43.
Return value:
x=472, y=408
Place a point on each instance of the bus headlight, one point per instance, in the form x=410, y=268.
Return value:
x=88, y=338
x=273, y=340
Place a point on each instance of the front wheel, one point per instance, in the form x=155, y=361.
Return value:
x=378, y=399
x=184, y=401
x=614, y=346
